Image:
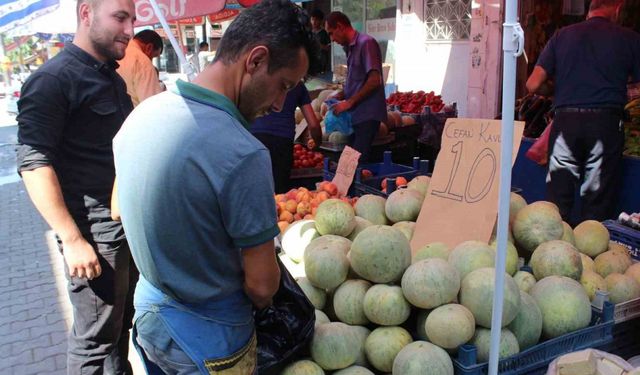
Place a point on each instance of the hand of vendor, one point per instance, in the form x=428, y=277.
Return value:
x=341, y=106
x=311, y=144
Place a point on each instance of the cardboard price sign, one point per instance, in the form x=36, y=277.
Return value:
x=462, y=200
x=347, y=166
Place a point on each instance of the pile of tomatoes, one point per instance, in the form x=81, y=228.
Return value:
x=414, y=102
x=306, y=158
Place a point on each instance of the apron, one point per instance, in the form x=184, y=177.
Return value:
x=218, y=335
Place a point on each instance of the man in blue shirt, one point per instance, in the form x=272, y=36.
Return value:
x=196, y=197
x=277, y=130
x=591, y=63
x=363, y=93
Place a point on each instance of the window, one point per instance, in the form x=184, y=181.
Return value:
x=447, y=20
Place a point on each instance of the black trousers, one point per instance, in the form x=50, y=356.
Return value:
x=281, y=152
x=102, y=313
x=585, y=151
x=363, y=135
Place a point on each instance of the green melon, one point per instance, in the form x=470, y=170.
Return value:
x=512, y=257
x=592, y=238
x=335, y=217
x=326, y=269
x=348, y=301
x=482, y=341
x=380, y=254
x=406, y=227
x=403, y=205
x=634, y=271
x=622, y=288
x=591, y=282
x=386, y=305
x=338, y=138
x=450, y=326
x=334, y=346
x=432, y=250
x=361, y=333
x=535, y=224
x=354, y=370
x=516, y=203
x=297, y=237
x=420, y=183
x=371, y=207
x=567, y=234
x=524, y=280
x=328, y=241
x=321, y=318
x=430, y=283
x=360, y=225
x=383, y=345
x=317, y=296
x=471, y=255
x=303, y=367
x=612, y=262
x=476, y=294
x=587, y=263
x=422, y=358
x=564, y=304
x=556, y=257
x=527, y=326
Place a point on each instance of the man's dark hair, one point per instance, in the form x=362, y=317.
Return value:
x=280, y=25
x=336, y=18
x=318, y=14
x=150, y=37
x=597, y=4
x=203, y=45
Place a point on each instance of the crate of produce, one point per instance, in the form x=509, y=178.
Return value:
x=306, y=173
x=628, y=237
x=535, y=359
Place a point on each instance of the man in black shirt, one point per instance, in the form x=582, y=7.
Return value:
x=322, y=39
x=69, y=112
x=591, y=63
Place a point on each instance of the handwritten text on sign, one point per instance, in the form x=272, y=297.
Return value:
x=462, y=201
x=347, y=166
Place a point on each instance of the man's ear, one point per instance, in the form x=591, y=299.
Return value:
x=257, y=58
x=84, y=14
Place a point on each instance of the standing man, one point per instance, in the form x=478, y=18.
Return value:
x=363, y=89
x=196, y=197
x=591, y=63
x=322, y=39
x=69, y=111
x=136, y=68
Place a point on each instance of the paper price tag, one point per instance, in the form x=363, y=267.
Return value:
x=300, y=128
x=462, y=200
x=347, y=166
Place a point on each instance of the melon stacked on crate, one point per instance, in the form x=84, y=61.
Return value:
x=382, y=309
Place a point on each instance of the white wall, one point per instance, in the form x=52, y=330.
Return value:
x=439, y=66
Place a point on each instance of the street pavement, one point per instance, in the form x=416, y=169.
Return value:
x=35, y=313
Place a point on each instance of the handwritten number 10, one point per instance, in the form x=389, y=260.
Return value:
x=469, y=197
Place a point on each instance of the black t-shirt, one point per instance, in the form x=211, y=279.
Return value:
x=324, y=58
x=69, y=111
x=591, y=63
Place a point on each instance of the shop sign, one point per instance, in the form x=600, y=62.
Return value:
x=346, y=169
x=163, y=33
x=190, y=21
x=465, y=183
x=175, y=9
x=223, y=15
x=382, y=29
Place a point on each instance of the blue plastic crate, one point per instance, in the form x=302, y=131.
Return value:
x=536, y=359
x=628, y=237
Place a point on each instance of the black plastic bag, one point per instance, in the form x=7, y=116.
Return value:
x=285, y=328
x=433, y=125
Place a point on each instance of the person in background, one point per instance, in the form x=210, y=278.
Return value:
x=196, y=197
x=70, y=110
x=591, y=63
x=322, y=39
x=363, y=93
x=203, y=54
x=277, y=129
x=136, y=68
